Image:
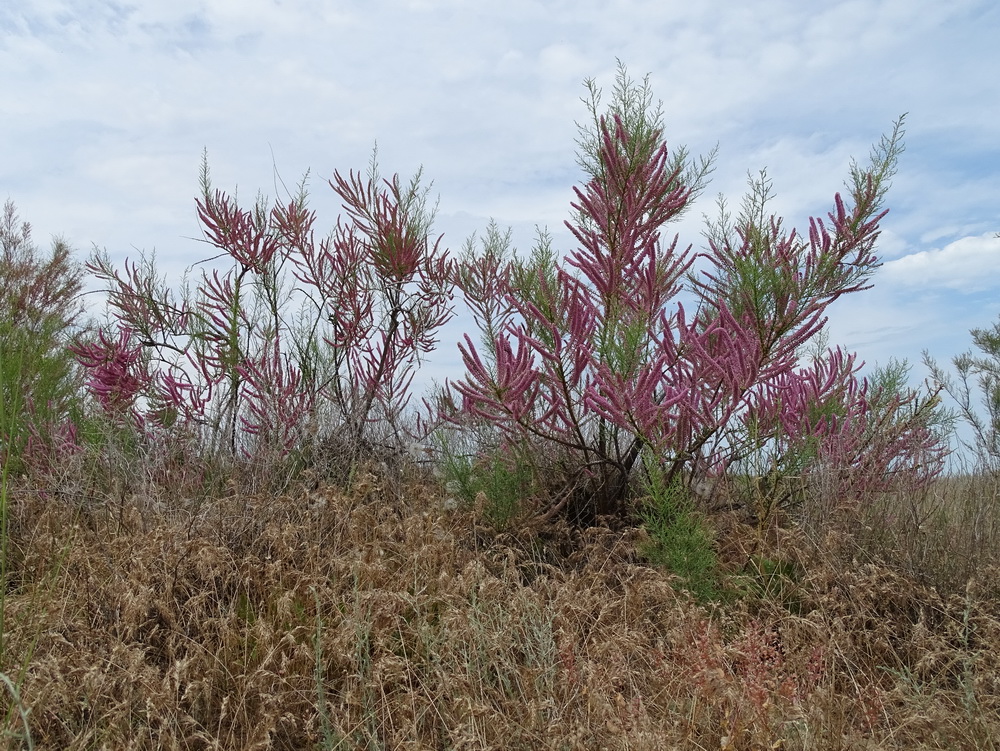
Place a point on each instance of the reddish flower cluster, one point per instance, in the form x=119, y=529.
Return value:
x=117, y=373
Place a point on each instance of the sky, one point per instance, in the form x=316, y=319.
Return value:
x=107, y=108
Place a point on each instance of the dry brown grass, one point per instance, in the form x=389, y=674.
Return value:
x=373, y=618
x=942, y=537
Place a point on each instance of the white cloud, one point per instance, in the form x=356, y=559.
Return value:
x=969, y=264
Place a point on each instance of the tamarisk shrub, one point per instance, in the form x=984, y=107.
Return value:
x=290, y=330
x=976, y=370
x=40, y=311
x=383, y=287
x=597, y=361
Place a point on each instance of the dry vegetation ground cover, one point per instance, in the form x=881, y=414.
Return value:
x=372, y=615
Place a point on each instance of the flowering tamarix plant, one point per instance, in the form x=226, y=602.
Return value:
x=598, y=362
x=287, y=329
